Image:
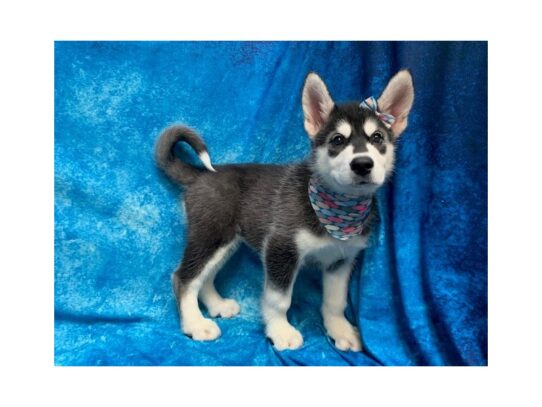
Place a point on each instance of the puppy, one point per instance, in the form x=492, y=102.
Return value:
x=316, y=211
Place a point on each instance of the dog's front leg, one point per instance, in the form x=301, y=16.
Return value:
x=281, y=265
x=335, y=284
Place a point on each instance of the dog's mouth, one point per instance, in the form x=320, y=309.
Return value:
x=365, y=186
x=365, y=182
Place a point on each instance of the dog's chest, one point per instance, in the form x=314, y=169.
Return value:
x=325, y=249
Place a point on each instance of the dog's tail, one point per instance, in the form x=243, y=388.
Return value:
x=173, y=167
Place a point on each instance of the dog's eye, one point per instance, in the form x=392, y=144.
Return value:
x=337, y=140
x=377, y=138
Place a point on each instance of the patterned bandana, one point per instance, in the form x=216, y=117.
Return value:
x=342, y=215
x=370, y=103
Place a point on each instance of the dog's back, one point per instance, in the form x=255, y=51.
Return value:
x=248, y=200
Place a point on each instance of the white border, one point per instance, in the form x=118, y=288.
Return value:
x=28, y=32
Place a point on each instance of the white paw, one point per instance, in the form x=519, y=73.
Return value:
x=346, y=337
x=284, y=335
x=202, y=330
x=226, y=309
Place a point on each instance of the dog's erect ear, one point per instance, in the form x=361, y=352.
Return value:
x=317, y=104
x=397, y=100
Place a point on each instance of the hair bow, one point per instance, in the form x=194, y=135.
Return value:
x=370, y=103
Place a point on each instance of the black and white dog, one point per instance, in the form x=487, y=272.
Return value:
x=316, y=211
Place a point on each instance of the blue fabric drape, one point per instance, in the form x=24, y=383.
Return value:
x=419, y=292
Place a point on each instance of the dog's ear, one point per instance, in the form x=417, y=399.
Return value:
x=317, y=104
x=397, y=100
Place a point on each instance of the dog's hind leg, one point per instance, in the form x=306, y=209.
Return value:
x=195, y=278
x=216, y=305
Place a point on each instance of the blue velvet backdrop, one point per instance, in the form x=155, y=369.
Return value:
x=419, y=293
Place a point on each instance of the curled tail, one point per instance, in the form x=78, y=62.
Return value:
x=176, y=169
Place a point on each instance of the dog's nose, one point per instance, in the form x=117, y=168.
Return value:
x=362, y=165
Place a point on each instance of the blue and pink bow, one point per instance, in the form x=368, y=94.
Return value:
x=370, y=103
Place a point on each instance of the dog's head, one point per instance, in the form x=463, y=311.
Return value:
x=353, y=146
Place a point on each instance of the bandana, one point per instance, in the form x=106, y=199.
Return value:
x=342, y=215
x=370, y=103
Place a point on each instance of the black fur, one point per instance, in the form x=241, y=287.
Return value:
x=281, y=260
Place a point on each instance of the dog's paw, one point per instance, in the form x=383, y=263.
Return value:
x=346, y=336
x=202, y=330
x=226, y=309
x=284, y=336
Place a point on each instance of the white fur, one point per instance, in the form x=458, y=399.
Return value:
x=370, y=126
x=383, y=163
x=275, y=304
x=389, y=159
x=206, y=160
x=336, y=170
x=193, y=322
x=216, y=305
x=346, y=336
x=338, y=175
x=326, y=250
x=335, y=286
x=344, y=128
